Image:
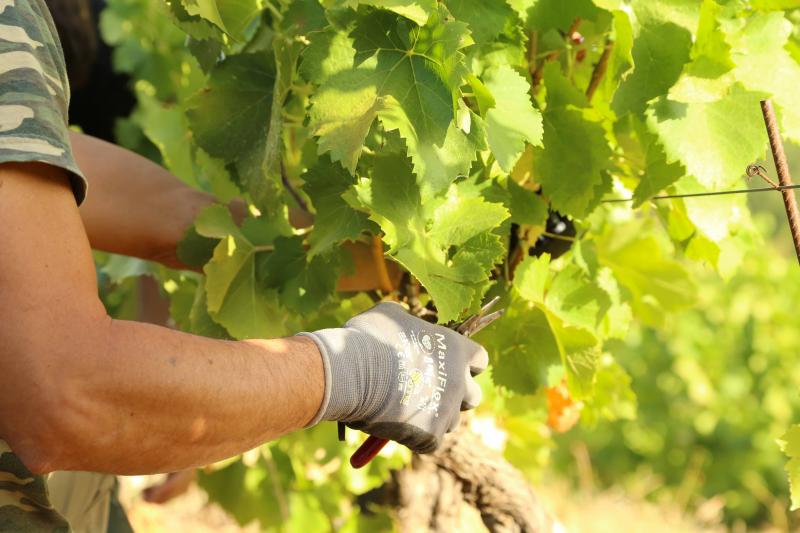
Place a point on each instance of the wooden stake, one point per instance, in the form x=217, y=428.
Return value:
x=384, y=282
x=784, y=177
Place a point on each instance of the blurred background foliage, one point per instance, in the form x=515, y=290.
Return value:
x=716, y=386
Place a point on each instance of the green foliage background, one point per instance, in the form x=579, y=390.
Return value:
x=436, y=126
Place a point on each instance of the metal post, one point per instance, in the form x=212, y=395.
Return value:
x=784, y=177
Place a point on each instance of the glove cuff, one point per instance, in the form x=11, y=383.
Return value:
x=358, y=374
x=326, y=368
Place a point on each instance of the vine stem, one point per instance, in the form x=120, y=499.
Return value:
x=290, y=188
x=784, y=177
x=283, y=505
x=536, y=76
x=533, y=43
x=599, y=71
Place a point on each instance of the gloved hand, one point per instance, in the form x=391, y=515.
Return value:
x=395, y=376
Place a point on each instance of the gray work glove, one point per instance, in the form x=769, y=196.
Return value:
x=395, y=376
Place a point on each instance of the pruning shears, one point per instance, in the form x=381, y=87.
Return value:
x=469, y=327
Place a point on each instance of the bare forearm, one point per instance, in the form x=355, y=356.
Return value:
x=145, y=399
x=137, y=208
x=79, y=391
x=134, y=207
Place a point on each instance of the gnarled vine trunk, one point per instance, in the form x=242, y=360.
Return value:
x=463, y=483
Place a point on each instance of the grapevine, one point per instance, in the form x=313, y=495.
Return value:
x=474, y=142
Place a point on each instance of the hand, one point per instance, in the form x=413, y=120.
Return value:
x=176, y=484
x=398, y=377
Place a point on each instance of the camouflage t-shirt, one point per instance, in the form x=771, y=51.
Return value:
x=34, y=97
x=34, y=92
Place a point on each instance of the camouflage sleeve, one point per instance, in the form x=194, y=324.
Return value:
x=24, y=503
x=34, y=92
x=34, y=96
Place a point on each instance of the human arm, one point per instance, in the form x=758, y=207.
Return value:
x=138, y=208
x=81, y=391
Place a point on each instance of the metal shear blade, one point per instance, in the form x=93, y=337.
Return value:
x=480, y=320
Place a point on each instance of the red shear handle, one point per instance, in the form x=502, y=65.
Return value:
x=367, y=451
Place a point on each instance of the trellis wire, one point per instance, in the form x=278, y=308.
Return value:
x=700, y=194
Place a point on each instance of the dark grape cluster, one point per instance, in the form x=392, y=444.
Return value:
x=558, y=236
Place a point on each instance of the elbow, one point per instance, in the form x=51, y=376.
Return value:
x=45, y=400
x=36, y=433
x=39, y=460
x=48, y=429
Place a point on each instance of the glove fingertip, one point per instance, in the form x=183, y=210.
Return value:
x=472, y=395
x=479, y=361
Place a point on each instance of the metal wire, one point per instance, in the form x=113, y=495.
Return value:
x=700, y=194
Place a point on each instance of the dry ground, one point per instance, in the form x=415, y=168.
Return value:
x=585, y=512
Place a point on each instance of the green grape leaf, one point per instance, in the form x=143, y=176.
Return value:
x=684, y=13
x=206, y=51
x=248, y=493
x=483, y=97
x=403, y=76
x=522, y=348
x=206, y=9
x=620, y=60
x=561, y=93
x=531, y=276
x=459, y=219
x=574, y=308
x=196, y=26
x=761, y=40
x=554, y=14
x=656, y=67
x=212, y=176
x=417, y=10
x=194, y=250
x=612, y=396
x=303, y=285
x=182, y=292
x=335, y=221
x=230, y=117
x=328, y=53
x=231, y=16
x=658, y=172
x=711, y=54
x=569, y=182
x=304, y=17
x=265, y=188
x=421, y=237
x=235, y=298
x=573, y=184
x=118, y=268
x=617, y=320
x=486, y=19
x=770, y=5
x=714, y=222
x=512, y=121
x=527, y=207
x=714, y=140
x=200, y=321
x=580, y=350
x=216, y=222
x=166, y=128
x=790, y=445
x=307, y=514
x=656, y=283
x=575, y=300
